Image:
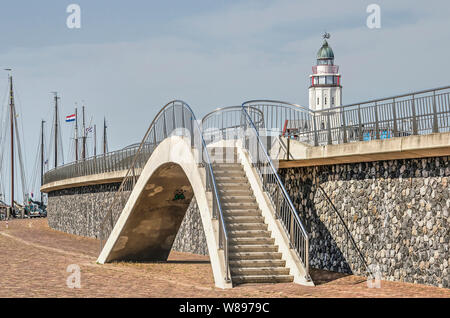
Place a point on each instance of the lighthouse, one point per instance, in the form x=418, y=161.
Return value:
x=325, y=90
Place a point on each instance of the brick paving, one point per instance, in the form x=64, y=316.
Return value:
x=34, y=259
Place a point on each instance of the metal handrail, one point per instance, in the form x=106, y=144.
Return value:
x=299, y=240
x=338, y=124
x=349, y=234
x=232, y=109
x=392, y=97
x=224, y=120
x=103, y=163
x=347, y=105
x=375, y=119
x=129, y=181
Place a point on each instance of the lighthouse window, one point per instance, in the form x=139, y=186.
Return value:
x=325, y=62
x=330, y=80
x=317, y=100
x=332, y=100
x=321, y=79
x=325, y=100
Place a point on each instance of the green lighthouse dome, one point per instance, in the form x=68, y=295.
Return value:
x=325, y=52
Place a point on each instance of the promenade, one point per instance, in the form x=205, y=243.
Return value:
x=35, y=259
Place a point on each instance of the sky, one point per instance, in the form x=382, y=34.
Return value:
x=129, y=58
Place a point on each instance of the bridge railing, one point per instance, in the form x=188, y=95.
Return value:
x=226, y=123
x=112, y=161
x=253, y=142
x=175, y=118
x=246, y=123
x=418, y=113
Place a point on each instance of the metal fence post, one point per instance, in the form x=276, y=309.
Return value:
x=192, y=132
x=316, y=141
x=164, y=125
x=360, y=123
x=414, y=119
x=288, y=147
x=394, y=118
x=277, y=203
x=214, y=216
x=182, y=118
x=435, y=117
x=173, y=116
x=291, y=231
x=329, y=137
x=344, y=126
x=377, y=123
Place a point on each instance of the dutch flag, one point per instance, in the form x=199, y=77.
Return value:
x=70, y=118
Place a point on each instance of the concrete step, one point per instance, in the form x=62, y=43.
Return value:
x=232, y=212
x=246, y=226
x=254, y=255
x=232, y=173
x=251, y=241
x=224, y=160
x=224, y=169
x=230, y=179
x=228, y=166
x=245, y=279
x=251, y=233
x=236, y=193
x=237, y=199
x=240, y=205
x=243, y=219
x=250, y=271
x=257, y=263
x=252, y=248
x=237, y=186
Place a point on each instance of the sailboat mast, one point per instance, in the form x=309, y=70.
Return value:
x=104, y=135
x=76, y=134
x=84, y=138
x=95, y=140
x=56, y=129
x=11, y=104
x=42, y=156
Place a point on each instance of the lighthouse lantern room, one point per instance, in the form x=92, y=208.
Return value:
x=325, y=89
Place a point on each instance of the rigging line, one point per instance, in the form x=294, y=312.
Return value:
x=3, y=145
x=33, y=185
x=59, y=137
x=35, y=170
x=60, y=143
x=51, y=141
x=3, y=116
x=20, y=155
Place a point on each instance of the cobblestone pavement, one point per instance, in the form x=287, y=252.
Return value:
x=34, y=260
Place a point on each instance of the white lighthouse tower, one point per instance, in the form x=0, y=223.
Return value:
x=325, y=89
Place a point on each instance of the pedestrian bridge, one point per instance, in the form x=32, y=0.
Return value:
x=228, y=162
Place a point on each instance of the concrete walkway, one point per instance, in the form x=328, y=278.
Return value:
x=35, y=259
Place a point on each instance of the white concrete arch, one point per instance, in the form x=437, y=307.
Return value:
x=147, y=213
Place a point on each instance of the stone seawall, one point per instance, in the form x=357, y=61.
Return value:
x=396, y=211
x=191, y=236
x=80, y=210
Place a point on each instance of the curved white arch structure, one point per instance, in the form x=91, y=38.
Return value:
x=152, y=215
